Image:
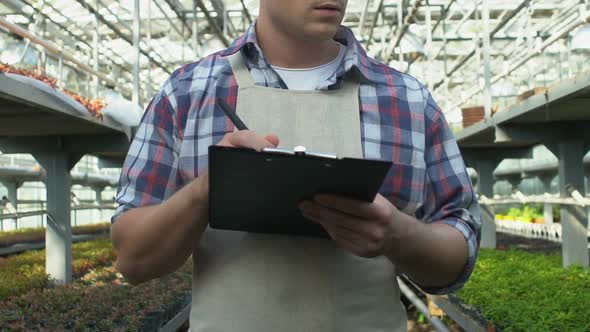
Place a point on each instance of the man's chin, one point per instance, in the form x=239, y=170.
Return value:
x=321, y=31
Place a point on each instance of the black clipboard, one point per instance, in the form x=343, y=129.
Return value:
x=260, y=191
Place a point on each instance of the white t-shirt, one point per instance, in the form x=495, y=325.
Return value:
x=310, y=78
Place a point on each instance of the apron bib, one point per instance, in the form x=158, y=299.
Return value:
x=261, y=282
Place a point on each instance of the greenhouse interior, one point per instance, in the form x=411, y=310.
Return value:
x=78, y=80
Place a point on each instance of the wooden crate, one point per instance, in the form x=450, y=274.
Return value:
x=530, y=93
x=472, y=115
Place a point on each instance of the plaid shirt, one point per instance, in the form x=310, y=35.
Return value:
x=400, y=122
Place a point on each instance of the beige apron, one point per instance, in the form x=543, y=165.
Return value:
x=272, y=283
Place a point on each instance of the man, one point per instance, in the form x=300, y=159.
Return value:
x=298, y=77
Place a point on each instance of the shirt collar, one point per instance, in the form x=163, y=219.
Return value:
x=355, y=57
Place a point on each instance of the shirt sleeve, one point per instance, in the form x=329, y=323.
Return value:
x=450, y=197
x=150, y=171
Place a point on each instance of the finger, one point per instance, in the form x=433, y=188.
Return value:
x=343, y=240
x=249, y=139
x=376, y=210
x=345, y=233
x=367, y=229
x=352, y=242
x=273, y=139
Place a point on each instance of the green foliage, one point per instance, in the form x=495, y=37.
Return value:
x=520, y=291
x=38, y=234
x=21, y=273
x=527, y=213
x=98, y=300
x=556, y=212
x=513, y=212
x=421, y=318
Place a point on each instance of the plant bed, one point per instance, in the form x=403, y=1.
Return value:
x=531, y=213
x=521, y=291
x=22, y=273
x=99, y=299
x=108, y=307
x=35, y=235
x=505, y=241
x=94, y=106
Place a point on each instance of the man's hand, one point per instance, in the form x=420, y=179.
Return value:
x=364, y=229
x=431, y=254
x=249, y=139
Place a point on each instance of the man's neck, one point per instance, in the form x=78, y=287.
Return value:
x=284, y=50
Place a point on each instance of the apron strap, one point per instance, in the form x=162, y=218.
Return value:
x=240, y=70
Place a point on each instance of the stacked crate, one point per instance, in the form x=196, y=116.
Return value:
x=472, y=115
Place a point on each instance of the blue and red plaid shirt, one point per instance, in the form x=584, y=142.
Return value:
x=400, y=122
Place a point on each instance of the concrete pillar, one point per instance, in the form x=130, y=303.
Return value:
x=548, y=213
x=58, y=238
x=547, y=208
x=574, y=220
x=98, y=194
x=12, y=188
x=515, y=182
x=12, y=195
x=485, y=171
x=98, y=199
x=546, y=179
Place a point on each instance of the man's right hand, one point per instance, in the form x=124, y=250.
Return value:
x=249, y=139
x=183, y=218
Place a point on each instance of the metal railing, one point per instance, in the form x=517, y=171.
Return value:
x=15, y=216
x=572, y=231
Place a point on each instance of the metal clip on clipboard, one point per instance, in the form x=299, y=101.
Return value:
x=300, y=151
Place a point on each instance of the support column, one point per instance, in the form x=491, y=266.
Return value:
x=574, y=220
x=98, y=194
x=12, y=195
x=546, y=179
x=485, y=171
x=58, y=238
x=515, y=181
x=547, y=207
x=12, y=188
x=98, y=199
x=548, y=213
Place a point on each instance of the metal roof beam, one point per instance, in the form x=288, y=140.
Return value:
x=126, y=38
x=403, y=28
x=178, y=10
x=374, y=23
x=246, y=12
x=69, y=32
x=500, y=25
x=212, y=22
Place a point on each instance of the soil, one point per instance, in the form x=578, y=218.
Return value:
x=505, y=241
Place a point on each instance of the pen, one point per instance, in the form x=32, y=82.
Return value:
x=231, y=114
x=235, y=119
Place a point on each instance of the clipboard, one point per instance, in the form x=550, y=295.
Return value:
x=260, y=192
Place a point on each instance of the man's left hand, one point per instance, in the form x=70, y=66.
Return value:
x=364, y=229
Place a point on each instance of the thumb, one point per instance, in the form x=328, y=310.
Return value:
x=273, y=139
